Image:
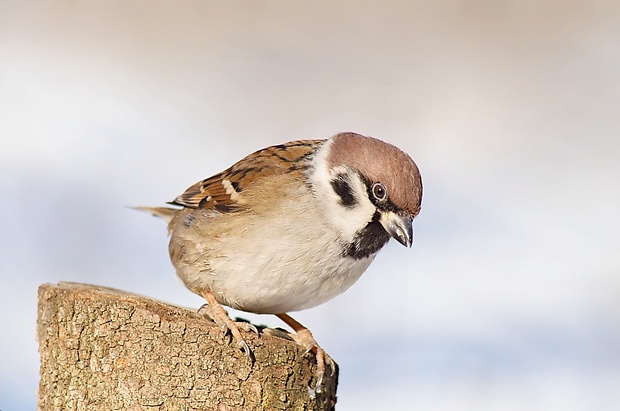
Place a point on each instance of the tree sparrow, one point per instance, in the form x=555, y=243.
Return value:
x=292, y=226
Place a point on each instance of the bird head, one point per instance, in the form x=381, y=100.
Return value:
x=372, y=191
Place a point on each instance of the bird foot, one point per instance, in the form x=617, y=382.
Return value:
x=214, y=311
x=305, y=339
x=205, y=311
x=247, y=326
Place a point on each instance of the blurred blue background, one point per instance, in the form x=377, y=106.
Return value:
x=510, y=297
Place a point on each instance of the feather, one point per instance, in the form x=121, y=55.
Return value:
x=224, y=191
x=162, y=212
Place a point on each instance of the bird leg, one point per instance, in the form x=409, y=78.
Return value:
x=304, y=337
x=221, y=318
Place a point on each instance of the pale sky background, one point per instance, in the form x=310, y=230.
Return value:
x=510, y=297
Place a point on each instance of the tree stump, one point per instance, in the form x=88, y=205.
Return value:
x=104, y=349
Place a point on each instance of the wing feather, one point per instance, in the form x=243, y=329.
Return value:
x=224, y=191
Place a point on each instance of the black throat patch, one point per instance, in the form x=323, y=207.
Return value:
x=368, y=240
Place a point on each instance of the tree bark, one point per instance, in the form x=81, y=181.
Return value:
x=104, y=349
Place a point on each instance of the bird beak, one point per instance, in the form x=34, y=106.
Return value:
x=399, y=226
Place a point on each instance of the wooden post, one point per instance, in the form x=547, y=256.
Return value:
x=104, y=349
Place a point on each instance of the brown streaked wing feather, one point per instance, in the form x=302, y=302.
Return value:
x=212, y=192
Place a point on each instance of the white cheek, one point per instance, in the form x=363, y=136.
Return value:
x=347, y=220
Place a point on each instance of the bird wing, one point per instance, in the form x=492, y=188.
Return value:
x=224, y=191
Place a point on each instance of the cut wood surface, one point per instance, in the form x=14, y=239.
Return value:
x=104, y=349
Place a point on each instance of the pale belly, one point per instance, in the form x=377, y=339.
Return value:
x=284, y=285
x=277, y=279
x=270, y=262
x=283, y=272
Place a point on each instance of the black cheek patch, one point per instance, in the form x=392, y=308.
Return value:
x=341, y=186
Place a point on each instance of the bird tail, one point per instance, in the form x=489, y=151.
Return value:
x=162, y=212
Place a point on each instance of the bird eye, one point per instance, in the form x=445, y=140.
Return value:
x=379, y=191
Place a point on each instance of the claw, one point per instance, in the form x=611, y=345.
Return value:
x=304, y=338
x=253, y=328
x=320, y=368
x=220, y=317
x=244, y=347
x=247, y=326
x=225, y=329
x=332, y=365
x=308, y=349
x=205, y=311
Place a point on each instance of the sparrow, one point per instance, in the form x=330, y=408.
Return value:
x=291, y=226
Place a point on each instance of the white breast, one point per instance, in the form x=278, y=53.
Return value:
x=271, y=281
x=281, y=259
x=286, y=262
